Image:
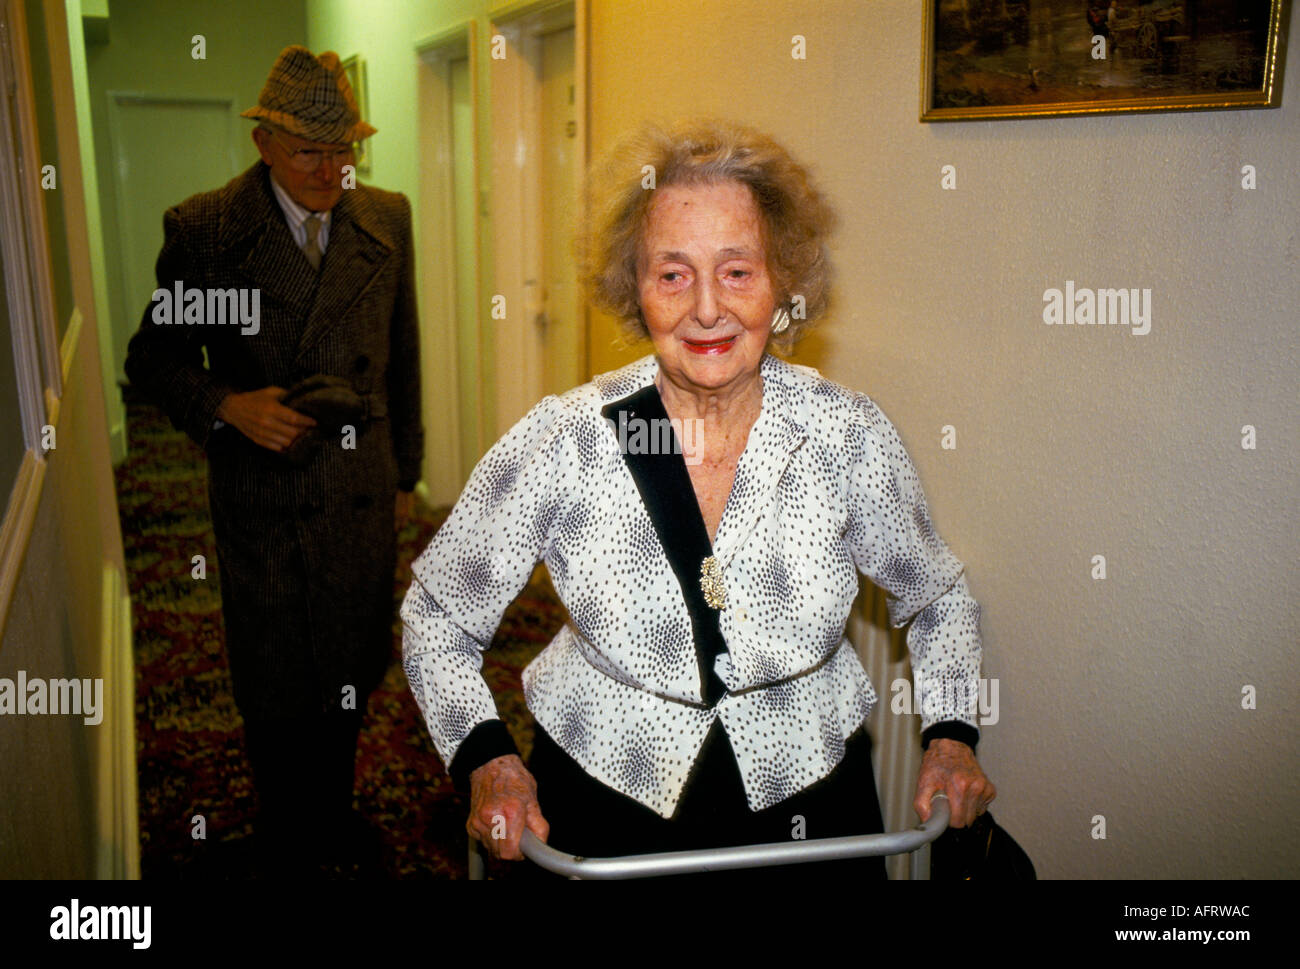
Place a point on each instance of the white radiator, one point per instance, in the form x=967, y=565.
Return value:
x=896, y=739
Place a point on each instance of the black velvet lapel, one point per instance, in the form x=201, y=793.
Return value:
x=665, y=487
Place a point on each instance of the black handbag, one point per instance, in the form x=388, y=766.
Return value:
x=981, y=852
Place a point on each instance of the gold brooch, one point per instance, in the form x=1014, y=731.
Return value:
x=711, y=583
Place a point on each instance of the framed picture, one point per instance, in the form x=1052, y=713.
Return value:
x=986, y=59
x=355, y=68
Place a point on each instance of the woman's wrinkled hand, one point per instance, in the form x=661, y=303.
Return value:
x=949, y=767
x=503, y=803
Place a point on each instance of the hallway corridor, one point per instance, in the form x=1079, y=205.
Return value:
x=189, y=734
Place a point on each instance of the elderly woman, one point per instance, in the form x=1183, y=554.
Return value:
x=702, y=692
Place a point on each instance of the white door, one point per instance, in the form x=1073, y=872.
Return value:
x=537, y=345
x=455, y=424
x=147, y=181
x=562, y=342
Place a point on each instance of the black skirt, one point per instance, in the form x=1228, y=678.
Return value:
x=591, y=819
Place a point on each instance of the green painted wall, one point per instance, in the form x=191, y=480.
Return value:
x=387, y=36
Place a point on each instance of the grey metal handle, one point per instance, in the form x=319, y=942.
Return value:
x=721, y=859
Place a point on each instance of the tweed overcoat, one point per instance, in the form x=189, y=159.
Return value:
x=306, y=555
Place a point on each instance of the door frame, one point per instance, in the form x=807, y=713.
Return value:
x=456, y=421
x=516, y=194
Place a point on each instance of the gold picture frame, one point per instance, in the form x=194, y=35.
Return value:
x=993, y=59
x=355, y=68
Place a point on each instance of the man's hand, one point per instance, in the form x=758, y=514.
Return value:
x=260, y=417
x=503, y=802
x=949, y=767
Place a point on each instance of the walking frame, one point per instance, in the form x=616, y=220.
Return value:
x=914, y=841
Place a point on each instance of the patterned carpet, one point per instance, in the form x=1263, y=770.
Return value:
x=189, y=736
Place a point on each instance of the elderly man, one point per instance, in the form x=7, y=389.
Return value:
x=309, y=411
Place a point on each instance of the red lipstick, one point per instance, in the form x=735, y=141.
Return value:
x=710, y=346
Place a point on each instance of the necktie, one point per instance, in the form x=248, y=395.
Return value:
x=311, y=250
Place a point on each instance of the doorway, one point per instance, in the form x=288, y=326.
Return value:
x=453, y=360
x=539, y=153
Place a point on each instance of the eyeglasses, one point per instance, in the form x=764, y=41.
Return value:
x=308, y=159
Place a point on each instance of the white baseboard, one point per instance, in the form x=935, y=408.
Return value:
x=117, y=804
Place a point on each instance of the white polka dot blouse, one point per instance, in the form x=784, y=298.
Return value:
x=824, y=490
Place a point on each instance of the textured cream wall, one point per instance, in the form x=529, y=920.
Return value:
x=1119, y=697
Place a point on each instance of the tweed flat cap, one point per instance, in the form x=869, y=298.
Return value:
x=310, y=97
